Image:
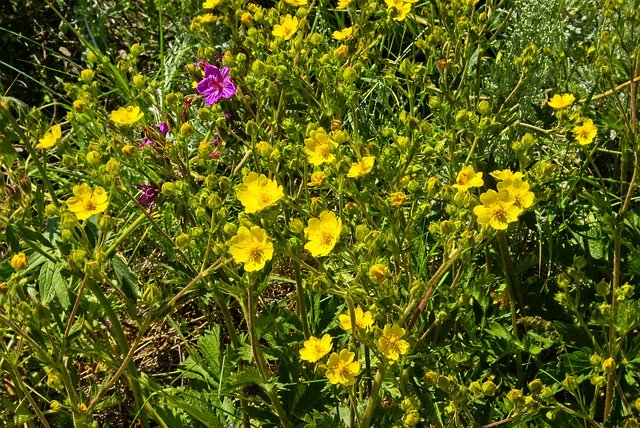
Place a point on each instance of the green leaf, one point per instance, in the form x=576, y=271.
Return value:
x=627, y=316
x=126, y=278
x=210, y=349
x=53, y=284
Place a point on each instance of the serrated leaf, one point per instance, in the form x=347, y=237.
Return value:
x=627, y=316
x=209, y=345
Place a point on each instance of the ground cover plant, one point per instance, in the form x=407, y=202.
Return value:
x=320, y=214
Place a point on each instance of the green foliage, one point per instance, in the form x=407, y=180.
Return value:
x=387, y=214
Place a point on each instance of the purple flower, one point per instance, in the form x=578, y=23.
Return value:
x=163, y=127
x=216, y=84
x=148, y=196
x=228, y=116
x=146, y=142
x=215, y=154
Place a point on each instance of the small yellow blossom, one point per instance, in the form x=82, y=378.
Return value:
x=51, y=138
x=343, y=4
x=506, y=174
x=87, y=75
x=586, y=132
x=400, y=8
x=397, y=199
x=364, y=319
x=315, y=348
x=341, y=52
x=518, y=191
x=317, y=179
x=245, y=18
x=257, y=192
x=86, y=202
x=251, y=247
x=467, y=178
x=126, y=115
x=497, y=209
x=19, y=261
x=296, y=2
x=561, y=101
x=318, y=147
x=210, y=4
x=287, y=27
x=378, y=273
x=390, y=343
x=198, y=22
x=322, y=233
x=361, y=168
x=345, y=33
x=342, y=369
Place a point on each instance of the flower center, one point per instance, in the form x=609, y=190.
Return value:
x=327, y=238
x=500, y=213
x=90, y=205
x=256, y=254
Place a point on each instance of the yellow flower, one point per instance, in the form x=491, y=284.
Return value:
x=287, y=27
x=296, y=2
x=342, y=369
x=397, y=199
x=467, y=178
x=322, y=234
x=518, y=191
x=561, y=101
x=363, y=319
x=126, y=115
x=586, y=132
x=390, y=343
x=506, y=174
x=86, y=202
x=19, y=261
x=51, y=138
x=251, y=247
x=318, y=147
x=361, y=168
x=497, y=209
x=400, y=8
x=257, y=192
x=343, y=4
x=315, y=348
x=317, y=179
x=378, y=273
x=210, y=4
x=345, y=33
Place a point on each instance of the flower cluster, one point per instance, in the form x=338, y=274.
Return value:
x=500, y=208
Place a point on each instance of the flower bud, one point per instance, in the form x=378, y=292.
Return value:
x=19, y=261
x=87, y=75
x=489, y=388
x=182, y=240
x=609, y=365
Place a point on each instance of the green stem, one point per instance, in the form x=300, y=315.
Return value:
x=250, y=311
x=124, y=235
x=302, y=307
x=373, y=398
x=514, y=293
x=32, y=152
